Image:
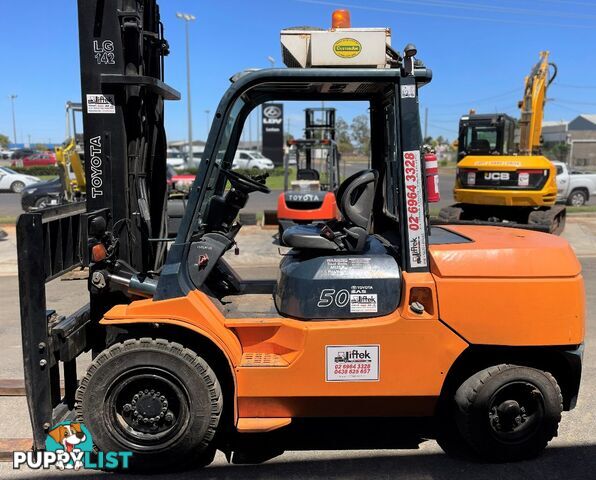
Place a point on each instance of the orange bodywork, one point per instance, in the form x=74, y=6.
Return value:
x=507, y=287
x=510, y=287
x=327, y=210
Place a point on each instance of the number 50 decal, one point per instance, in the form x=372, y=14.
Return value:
x=329, y=297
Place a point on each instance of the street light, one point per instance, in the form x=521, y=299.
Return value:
x=207, y=112
x=14, y=123
x=271, y=61
x=187, y=17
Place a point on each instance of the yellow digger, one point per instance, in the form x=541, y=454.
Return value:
x=500, y=180
x=69, y=159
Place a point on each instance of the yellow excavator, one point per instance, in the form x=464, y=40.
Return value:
x=500, y=180
x=69, y=160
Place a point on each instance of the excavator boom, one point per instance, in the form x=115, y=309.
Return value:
x=532, y=105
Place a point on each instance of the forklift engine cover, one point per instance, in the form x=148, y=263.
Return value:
x=363, y=285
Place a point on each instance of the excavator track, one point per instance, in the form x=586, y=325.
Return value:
x=548, y=219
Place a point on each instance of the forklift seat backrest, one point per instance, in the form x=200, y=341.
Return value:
x=307, y=174
x=356, y=196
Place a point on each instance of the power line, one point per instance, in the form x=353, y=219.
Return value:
x=444, y=15
x=479, y=100
x=561, y=2
x=490, y=8
x=566, y=85
x=572, y=102
x=438, y=127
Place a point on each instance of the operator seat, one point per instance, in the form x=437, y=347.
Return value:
x=355, y=198
x=307, y=174
x=480, y=146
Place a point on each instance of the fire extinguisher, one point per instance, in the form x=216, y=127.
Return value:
x=432, y=177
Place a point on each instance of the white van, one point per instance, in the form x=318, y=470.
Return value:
x=252, y=159
x=175, y=158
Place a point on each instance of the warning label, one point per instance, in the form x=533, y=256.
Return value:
x=98, y=103
x=363, y=303
x=408, y=91
x=352, y=363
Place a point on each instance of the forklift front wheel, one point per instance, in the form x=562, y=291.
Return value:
x=155, y=398
x=508, y=413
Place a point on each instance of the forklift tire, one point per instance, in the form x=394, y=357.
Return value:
x=155, y=398
x=508, y=413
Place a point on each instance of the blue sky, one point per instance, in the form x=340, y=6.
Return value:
x=479, y=51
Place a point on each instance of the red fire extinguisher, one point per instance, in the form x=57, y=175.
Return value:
x=432, y=177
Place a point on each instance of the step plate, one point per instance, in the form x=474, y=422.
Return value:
x=258, y=359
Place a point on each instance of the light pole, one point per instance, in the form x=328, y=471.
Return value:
x=207, y=112
x=271, y=61
x=14, y=122
x=187, y=17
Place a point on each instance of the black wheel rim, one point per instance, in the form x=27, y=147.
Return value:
x=147, y=408
x=516, y=412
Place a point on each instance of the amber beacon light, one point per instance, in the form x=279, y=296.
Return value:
x=340, y=19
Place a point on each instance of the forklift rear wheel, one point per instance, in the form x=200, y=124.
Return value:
x=154, y=398
x=508, y=413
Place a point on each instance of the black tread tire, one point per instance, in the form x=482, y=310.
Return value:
x=17, y=189
x=450, y=214
x=472, y=399
x=39, y=201
x=195, y=447
x=448, y=435
x=576, y=191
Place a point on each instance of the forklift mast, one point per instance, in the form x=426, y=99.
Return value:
x=123, y=92
x=319, y=124
x=121, y=51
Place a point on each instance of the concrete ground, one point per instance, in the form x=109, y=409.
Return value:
x=572, y=455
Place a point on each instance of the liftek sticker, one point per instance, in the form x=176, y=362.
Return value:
x=408, y=91
x=415, y=210
x=352, y=363
x=99, y=103
x=363, y=303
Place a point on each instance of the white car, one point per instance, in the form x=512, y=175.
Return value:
x=574, y=188
x=175, y=158
x=15, y=182
x=250, y=159
x=5, y=154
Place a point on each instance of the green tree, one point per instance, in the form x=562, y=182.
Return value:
x=4, y=141
x=41, y=147
x=342, y=134
x=361, y=133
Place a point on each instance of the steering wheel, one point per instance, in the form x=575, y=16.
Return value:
x=244, y=183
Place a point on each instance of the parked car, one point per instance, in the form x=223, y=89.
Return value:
x=42, y=194
x=573, y=187
x=175, y=158
x=36, y=160
x=22, y=152
x=5, y=154
x=250, y=159
x=15, y=182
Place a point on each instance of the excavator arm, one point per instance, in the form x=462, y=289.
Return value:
x=532, y=105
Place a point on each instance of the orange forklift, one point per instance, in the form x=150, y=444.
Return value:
x=376, y=331
x=311, y=197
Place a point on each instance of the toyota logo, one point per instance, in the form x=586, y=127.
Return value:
x=272, y=111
